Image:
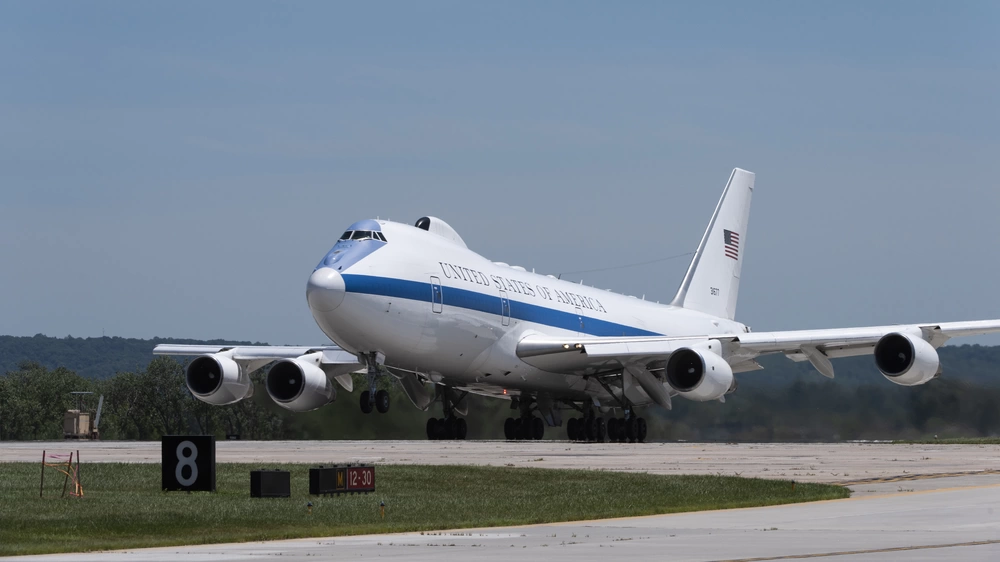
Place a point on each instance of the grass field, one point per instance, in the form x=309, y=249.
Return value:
x=123, y=506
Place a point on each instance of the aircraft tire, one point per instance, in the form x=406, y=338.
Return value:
x=509, y=429
x=461, y=428
x=382, y=401
x=523, y=429
x=631, y=428
x=600, y=430
x=640, y=433
x=537, y=429
x=571, y=428
x=620, y=435
x=432, y=429
x=448, y=428
x=612, y=429
x=366, y=403
x=591, y=425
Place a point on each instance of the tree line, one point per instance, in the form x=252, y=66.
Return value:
x=785, y=402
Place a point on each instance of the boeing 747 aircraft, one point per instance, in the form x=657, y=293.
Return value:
x=414, y=305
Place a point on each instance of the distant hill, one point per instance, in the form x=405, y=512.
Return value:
x=94, y=358
x=99, y=358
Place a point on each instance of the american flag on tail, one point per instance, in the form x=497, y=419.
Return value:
x=732, y=244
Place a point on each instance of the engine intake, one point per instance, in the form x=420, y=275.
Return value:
x=905, y=359
x=699, y=375
x=299, y=385
x=218, y=380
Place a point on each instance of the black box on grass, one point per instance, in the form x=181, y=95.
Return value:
x=270, y=484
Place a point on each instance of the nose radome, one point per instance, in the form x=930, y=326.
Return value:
x=325, y=290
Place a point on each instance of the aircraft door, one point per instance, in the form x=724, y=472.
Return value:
x=504, y=308
x=437, y=297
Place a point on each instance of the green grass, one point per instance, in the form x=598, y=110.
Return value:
x=953, y=441
x=123, y=506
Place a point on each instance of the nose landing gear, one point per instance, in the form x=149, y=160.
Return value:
x=373, y=398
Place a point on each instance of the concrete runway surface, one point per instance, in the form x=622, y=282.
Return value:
x=911, y=502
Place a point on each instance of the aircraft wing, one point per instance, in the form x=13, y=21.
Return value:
x=593, y=355
x=252, y=352
x=336, y=362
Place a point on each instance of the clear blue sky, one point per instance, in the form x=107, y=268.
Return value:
x=178, y=168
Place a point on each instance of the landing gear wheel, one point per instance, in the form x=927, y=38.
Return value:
x=600, y=430
x=641, y=430
x=461, y=428
x=620, y=435
x=382, y=401
x=571, y=429
x=366, y=403
x=509, y=429
x=432, y=429
x=631, y=429
x=591, y=428
x=524, y=429
x=449, y=429
x=612, y=430
x=537, y=429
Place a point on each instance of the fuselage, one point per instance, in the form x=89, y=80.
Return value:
x=434, y=307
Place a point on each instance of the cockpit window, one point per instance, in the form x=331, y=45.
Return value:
x=363, y=235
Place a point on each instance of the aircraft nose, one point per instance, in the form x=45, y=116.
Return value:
x=325, y=290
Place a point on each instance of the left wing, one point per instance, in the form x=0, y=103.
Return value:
x=645, y=357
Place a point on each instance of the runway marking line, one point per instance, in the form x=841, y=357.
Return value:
x=853, y=552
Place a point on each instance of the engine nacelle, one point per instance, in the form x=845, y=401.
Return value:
x=699, y=375
x=217, y=379
x=906, y=360
x=299, y=385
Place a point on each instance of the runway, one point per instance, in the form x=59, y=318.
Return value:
x=911, y=502
x=804, y=462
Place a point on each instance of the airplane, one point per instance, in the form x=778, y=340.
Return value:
x=415, y=306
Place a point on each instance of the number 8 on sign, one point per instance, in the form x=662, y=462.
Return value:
x=188, y=461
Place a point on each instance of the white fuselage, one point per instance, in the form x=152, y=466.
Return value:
x=434, y=307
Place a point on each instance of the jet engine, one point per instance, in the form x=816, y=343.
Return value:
x=218, y=380
x=699, y=375
x=906, y=359
x=299, y=385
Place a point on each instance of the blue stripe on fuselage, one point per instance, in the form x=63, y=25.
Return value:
x=490, y=304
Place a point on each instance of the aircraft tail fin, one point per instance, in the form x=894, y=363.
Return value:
x=712, y=282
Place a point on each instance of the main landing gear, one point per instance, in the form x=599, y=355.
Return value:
x=450, y=426
x=373, y=398
x=594, y=428
x=525, y=427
